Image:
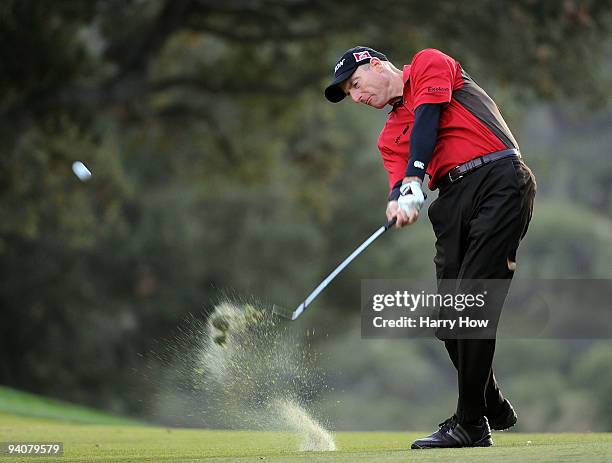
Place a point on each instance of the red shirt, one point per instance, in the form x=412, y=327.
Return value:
x=470, y=122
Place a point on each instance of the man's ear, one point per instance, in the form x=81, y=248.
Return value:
x=376, y=64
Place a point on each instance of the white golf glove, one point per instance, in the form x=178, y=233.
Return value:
x=411, y=197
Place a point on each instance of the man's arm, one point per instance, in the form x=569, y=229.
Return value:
x=423, y=139
x=422, y=145
x=406, y=198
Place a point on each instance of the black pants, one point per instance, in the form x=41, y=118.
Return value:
x=479, y=222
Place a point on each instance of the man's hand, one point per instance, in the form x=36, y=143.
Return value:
x=403, y=218
x=407, y=207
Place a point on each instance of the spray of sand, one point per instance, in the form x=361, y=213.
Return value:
x=314, y=436
x=260, y=374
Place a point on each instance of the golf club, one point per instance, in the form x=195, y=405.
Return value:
x=313, y=295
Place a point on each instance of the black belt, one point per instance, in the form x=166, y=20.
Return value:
x=456, y=173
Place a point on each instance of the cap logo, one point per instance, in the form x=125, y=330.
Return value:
x=360, y=56
x=340, y=63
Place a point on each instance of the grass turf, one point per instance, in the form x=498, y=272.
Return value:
x=115, y=443
x=90, y=435
x=25, y=404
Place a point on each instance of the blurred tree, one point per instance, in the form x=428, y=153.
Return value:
x=215, y=159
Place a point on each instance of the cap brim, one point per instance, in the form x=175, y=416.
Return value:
x=333, y=92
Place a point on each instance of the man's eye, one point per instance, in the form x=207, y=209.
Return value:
x=355, y=84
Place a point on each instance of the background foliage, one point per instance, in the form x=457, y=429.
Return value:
x=219, y=168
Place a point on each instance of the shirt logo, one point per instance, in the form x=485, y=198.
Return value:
x=340, y=63
x=437, y=89
x=419, y=165
x=360, y=56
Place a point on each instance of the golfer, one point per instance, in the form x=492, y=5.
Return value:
x=443, y=124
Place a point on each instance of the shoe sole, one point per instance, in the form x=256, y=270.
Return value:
x=506, y=425
x=485, y=442
x=509, y=418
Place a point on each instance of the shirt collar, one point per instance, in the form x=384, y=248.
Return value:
x=406, y=73
x=406, y=77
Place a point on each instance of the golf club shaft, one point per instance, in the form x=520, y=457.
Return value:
x=312, y=296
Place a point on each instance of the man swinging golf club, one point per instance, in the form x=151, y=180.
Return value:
x=444, y=125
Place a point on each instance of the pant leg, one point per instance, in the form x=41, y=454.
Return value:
x=494, y=397
x=503, y=206
x=478, y=224
x=447, y=219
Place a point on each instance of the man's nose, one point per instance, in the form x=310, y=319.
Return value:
x=355, y=95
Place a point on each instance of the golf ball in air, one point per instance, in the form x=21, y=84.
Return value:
x=81, y=171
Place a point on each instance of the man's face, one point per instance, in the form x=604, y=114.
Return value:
x=369, y=85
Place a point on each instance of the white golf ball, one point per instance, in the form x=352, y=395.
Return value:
x=81, y=171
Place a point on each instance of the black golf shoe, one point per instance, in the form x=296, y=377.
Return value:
x=504, y=419
x=452, y=435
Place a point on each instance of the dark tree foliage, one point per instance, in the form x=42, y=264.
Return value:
x=215, y=158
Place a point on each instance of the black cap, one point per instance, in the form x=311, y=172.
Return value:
x=345, y=67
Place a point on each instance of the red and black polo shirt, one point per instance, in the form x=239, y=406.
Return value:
x=470, y=122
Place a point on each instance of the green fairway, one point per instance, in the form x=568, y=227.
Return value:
x=90, y=435
x=25, y=404
x=112, y=443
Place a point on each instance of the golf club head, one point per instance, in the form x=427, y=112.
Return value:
x=282, y=312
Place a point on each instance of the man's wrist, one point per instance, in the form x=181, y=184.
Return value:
x=412, y=179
